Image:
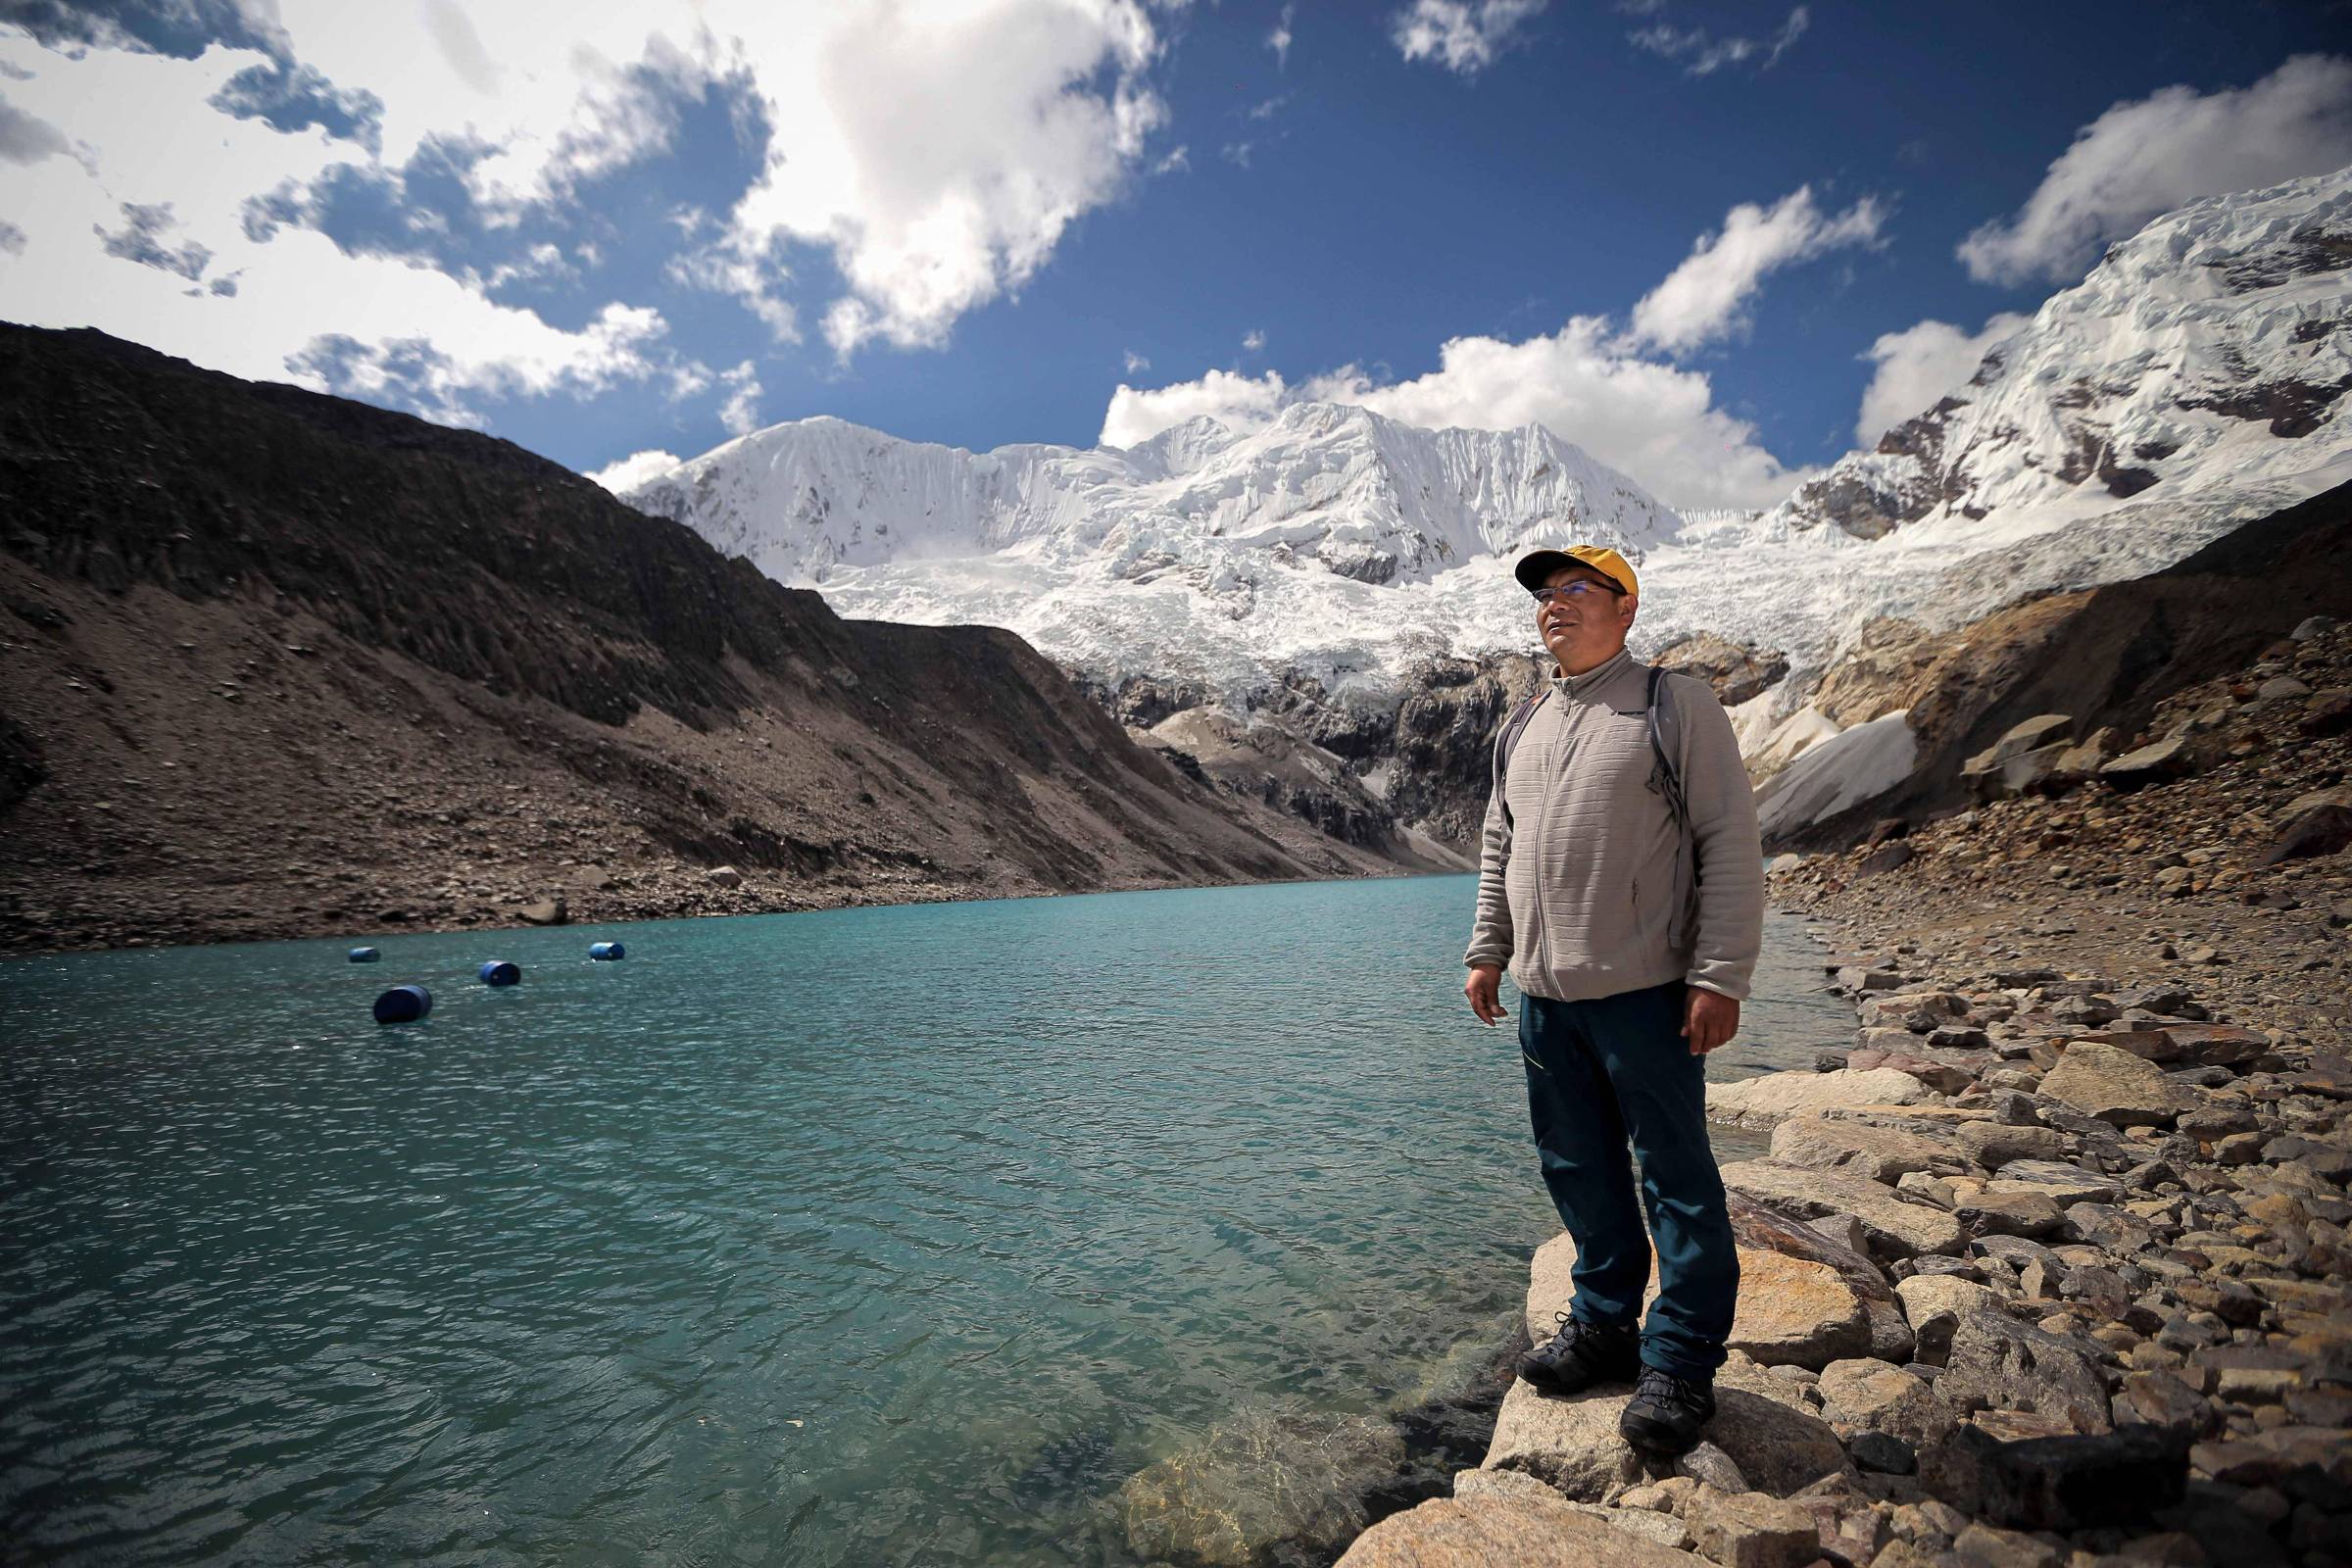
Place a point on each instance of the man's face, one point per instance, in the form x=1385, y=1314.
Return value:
x=1584, y=630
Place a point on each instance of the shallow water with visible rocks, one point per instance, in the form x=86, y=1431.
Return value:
x=1172, y=1226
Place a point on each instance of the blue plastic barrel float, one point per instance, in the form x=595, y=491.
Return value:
x=607, y=949
x=499, y=973
x=403, y=1005
x=363, y=956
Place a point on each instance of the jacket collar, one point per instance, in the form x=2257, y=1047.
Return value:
x=1578, y=686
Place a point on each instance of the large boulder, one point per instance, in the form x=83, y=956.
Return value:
x=1934, y=1303
x=1765, y=1101
x=1791, y=1310
x=1502, y=1532
x=2172, y=758
x=1573, y=1444
x=2020, y=760
x=2061, y=1483
x=2116, y=1086
x=1883, y=1153
x=1750, y=1530
x=1764, y=1229
x=1992, y=1144
x=1997, y=1364
x=1896, y=1229
x=1865, y=1395
x=1794, y=1312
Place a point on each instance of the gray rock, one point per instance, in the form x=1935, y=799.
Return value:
x=1766, y=1101
x=1982, y=1545
x=1882, y=1452
x=2060, y=1483
x=2063, y=1185
x=1749, y=1530
x=1574, y=1446
x=2008, y=1213
x=2172, y=758
x=2000, y=1365
x=2116, y=1087
x=1710, y=1466
x=1502, y=1532
x=1874, y=1397
x=1934, y=1303
x=1819, y=1142
x=1993, y=1144
x=1896, y=1228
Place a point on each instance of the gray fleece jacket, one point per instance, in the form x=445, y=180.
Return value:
x=1577, y=885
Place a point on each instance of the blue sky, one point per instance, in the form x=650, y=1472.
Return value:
x=1690, y=238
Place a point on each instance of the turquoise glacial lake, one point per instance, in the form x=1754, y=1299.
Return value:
x=1101, y=1230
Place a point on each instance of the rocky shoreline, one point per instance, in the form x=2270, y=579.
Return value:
x=2082, y=1298
x=2051, y=1267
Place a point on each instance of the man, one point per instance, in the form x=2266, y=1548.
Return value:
x=1628, y=979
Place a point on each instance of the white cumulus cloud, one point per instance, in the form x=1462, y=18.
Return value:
x=126, y=178
x=1657, y=422
x=145, y=239
x=2156, y=152
x=635, y=470
x=1919, y=365
x=1225, y=396
x=1701, y=299
x=1463, y=35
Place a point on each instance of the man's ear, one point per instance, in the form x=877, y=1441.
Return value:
x=1630, y=606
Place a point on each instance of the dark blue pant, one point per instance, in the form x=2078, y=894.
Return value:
x=1597, y=1072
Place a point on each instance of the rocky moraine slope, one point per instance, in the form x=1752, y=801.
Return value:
x=280, y=665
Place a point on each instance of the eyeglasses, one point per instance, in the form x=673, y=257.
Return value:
x=1575, y=589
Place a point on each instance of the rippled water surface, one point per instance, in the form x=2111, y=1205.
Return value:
x=878, y=1236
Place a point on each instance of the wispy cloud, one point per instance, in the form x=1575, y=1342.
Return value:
x=740, y=412
x=1254, y=340
x=1465, y=36
x=1135, y=362
x=1700, y=300
x=1702, y=55
x=2157, y=153
x=1279, y=40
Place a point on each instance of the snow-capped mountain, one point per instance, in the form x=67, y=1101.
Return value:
x=2207, y=351
x=2193, y=381
x=1320, y=540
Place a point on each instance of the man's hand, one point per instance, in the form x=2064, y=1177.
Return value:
x=1709, y=1018
x=1480, y=988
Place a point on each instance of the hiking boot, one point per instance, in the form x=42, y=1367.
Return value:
x=1666, y=1413
x=1579, y=1355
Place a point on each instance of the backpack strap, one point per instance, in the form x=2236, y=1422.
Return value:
x=1512, y=728
x=1666, y=746
x=1666, y=778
